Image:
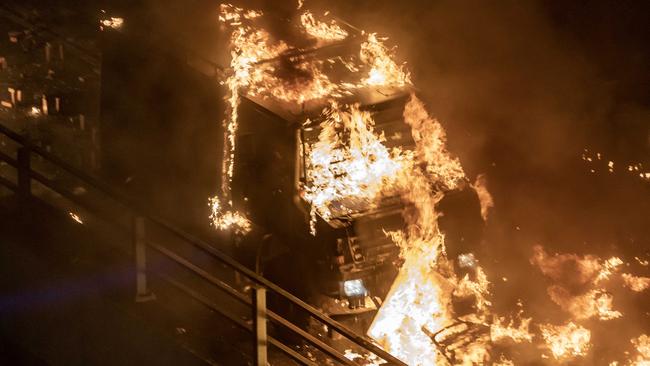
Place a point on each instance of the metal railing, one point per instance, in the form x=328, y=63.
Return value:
x=255, y=300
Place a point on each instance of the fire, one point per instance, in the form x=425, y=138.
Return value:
x=225, y=219
x=500, y=330
x=254, y=72
x=315, y=85
x=75, y=217
x=588, y=273
x=571, y=267
x=594, y=303
x=566, y=341
x=233, y=15
x=430, y=139
x=112, y=22
x=418, y=303
x=634, y=283
x=321, y=30
x=383, y=69
x=484, y=196
x=504, y=362
x=642, y=347
x=352, y=172
x=367, y=360
x=248, y=46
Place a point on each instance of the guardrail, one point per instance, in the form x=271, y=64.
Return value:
x=256, y=300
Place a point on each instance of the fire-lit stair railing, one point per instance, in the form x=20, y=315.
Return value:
x=256, y=300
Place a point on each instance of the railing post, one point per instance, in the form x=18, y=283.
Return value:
x=140, y=248
x=24, y=177
x=259, y=325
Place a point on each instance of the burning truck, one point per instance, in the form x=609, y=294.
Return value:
x=328, y=150
x=315, y=142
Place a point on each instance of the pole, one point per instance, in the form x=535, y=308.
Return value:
x=139, y=242
x=259, y=325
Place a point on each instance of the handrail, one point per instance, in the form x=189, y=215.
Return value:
x=140, y=210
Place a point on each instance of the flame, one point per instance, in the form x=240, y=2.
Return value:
x=500, y=330
x=642, y=347
x=579, y=270
x=322, y=30
x=484, y=196
x=312, y=84
x=586, y=272
x=226, y=219
x=430, y=139
x=502, y=361
x=351, y=172
x=594, y=303
x=232, y=15
x=253, y=73
x=634, y=283
x=417, y=300
x=112, y=22
x=383, y=69
x=75, y=217
x=566, y=341
x=368, y=359
x=248, y=46
x=418, y=303
x=479, y=288
x=642, y=262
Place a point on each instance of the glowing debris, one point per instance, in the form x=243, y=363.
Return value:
x=75, y=217
x=112, y=22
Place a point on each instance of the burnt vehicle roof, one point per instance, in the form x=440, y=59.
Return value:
x=374, y=98
x=331, y=55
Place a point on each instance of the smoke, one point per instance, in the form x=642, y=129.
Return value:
x=522, y=88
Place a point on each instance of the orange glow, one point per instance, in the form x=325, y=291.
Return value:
x=642, y=347
x=634, y=283
x=566, y=341
x=321, y=30
x=383, y=69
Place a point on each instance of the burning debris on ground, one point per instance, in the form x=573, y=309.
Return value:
x=444, y=206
